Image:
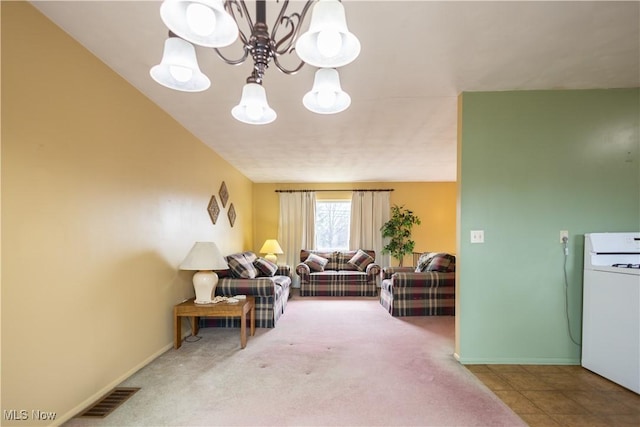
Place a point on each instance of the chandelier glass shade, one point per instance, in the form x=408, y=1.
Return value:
x=326, y=96
x=327, y=45
x=201, y=22
x=253, y=108
x=179, y=68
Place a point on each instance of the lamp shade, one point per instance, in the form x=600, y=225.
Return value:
x=203, y=22
x=179, y=68
x=204, y=256
x=326, y=96
x=253, y=108
x=271, y=246
x=328, y=43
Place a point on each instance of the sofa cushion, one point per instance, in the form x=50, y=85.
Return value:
x=241, y=266
x=361, y=260
x=265, y=267
x=441, y=262
x=315, y=262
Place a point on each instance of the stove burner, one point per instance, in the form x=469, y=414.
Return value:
x=626, y=265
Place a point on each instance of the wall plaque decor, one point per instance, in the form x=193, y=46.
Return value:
x=213, y=209
x=232, y=214
x=224, y=194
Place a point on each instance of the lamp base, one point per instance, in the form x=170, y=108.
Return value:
x=271, y=257
x=204, y=283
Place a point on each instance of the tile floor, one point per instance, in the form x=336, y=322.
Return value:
x=550, y=395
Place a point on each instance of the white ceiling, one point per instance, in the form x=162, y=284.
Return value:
x=416, y=58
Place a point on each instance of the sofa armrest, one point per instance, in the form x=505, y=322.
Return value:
x=303, y=272
x=387, y=272
x=428, y=279
x=283, y=270
x=373, y=269
x=260, y=286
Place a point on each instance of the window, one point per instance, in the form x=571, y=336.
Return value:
x=332, y=224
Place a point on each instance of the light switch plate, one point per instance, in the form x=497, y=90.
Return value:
x=477, y=236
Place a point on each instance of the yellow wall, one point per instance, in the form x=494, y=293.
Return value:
x=103, y=194
x=433, y=202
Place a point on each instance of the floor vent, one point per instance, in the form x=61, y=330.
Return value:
x=109, y=402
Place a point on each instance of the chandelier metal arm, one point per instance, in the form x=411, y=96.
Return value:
x=232, y=61
x=286, y=44
x=259, y=42
x=288, y=21
x=285, y=70
x=293, y=22
x=239, y=6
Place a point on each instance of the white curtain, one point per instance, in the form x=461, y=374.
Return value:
x=296, y=227
x=369, y=211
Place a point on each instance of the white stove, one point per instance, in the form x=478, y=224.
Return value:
x=611, y=307
x=613, y=252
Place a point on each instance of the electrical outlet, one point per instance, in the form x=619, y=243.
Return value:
x=564, y=234
x=477, y=236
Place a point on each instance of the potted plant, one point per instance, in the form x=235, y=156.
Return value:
x=398, y=229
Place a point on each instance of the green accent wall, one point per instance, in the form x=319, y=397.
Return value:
x=532, y=163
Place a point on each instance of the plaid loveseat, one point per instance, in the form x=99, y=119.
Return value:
x=428, y=292
x=344, y=273
x=269, y=287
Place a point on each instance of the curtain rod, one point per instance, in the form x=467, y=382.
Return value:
x=355, y=189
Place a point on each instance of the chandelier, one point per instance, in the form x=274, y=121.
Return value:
x=327, y=45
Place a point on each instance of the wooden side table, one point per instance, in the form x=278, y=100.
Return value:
x=221, y=309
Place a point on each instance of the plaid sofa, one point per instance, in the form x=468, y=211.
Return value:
x=339, y=278
x=271, y=295
x=405, y=292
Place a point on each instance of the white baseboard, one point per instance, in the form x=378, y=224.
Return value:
x=90, y=400
x=517, y=361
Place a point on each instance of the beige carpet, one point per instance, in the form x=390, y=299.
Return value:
x=328, y=362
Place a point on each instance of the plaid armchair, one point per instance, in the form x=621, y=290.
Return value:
x=430, y=292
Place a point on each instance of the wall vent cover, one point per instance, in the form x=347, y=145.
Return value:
x=109, y=402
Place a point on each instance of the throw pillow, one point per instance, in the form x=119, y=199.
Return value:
x=424, y=260
x=250, y=256
x=241, y=267
x=361, y=260
x=316, y=263
x=265, y=267
x=442, y=263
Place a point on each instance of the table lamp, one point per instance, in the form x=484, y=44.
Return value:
x=204, y=257
x=271, y=247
